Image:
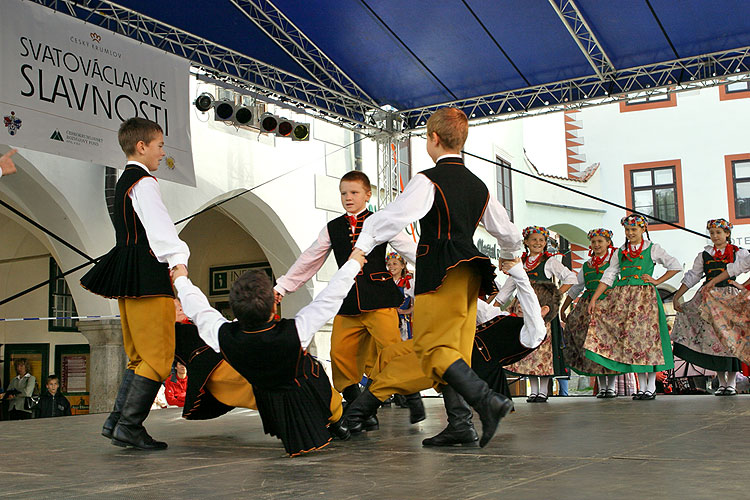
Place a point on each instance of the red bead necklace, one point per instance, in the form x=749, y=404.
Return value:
x=631, y=253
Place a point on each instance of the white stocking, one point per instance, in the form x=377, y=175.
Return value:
x=722, y=378
x=642, y=382
x=732, y=379
x=601, y=380
x=611, y=382
x=651, y=382
x=543, y=385
x=534, y=382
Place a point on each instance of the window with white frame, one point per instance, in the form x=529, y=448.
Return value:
x=504, y=185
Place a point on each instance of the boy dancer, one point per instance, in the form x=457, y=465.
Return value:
x=136, y=273
x=500, y=339
x=450, y=271
x=292, y=392
x=371, y=308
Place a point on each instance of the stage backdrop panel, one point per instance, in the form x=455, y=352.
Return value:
x=65, y=87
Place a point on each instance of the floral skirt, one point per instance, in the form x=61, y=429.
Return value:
x=696, y=341
x=730, y=317
x=547, y=359
x=628, y=332
x=575, y=332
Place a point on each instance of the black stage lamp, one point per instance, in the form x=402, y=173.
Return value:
x=223, y=110
x=268, y=122
x=243, y=115
x=285, y=128
x=204, y=102
x=301, y=132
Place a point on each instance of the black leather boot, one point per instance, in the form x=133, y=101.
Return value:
x=350, y=394
x=490, y=406
x=460, y=430
x=339, y=430
x=416, y=407
x=122, y=393
x=362, y=410
x=129, y=431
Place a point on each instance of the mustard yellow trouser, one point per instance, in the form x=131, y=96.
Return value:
x=232, y=389
x=398, y=371
x=445, y=322
x=347, y=350
x=148, y=335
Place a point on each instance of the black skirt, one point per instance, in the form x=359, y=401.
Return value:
x=129, y=271
x=298, y=413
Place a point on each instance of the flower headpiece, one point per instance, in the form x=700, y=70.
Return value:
x=535, y=229
x=719, y=223
x=601, y=232
x=634, y=220
x=394, y=255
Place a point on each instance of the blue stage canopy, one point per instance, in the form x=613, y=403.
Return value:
x=490, y=57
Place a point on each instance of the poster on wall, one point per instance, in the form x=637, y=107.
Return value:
x=74, y=373
x=66, y=86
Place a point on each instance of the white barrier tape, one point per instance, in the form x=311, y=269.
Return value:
x=59, y=317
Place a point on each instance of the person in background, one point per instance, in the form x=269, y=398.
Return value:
x=175, y=386
x=19, y=389
x=52, y=403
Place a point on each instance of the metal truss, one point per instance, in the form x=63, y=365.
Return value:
x=299, y=47
x=591, y=90
x=221, y=61
x=388, y=141
x=584, y=37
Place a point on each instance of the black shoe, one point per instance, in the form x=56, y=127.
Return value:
x=610, y=393
x=602, y=394
x=387, y=403
x=338, y=430
x=490, y=406
x=360, y=414
x=416, y=408
x=453, y=437
x=730, y=391
x=129, y=430
x=460, y=430
x=531, y=398
x=122, y=393
x=637, y=396
x=541, y=398
x=647, y=396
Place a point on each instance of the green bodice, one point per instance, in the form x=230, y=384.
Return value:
x=632, y=270
x=592, y=277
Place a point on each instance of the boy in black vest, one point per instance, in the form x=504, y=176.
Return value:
x=292, y=391
x=371, y=308
x=451, y=273
x=136, y=273
x=501, y=339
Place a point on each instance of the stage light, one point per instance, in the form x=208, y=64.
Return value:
x=301, y=132
x=243, y=115
x=268, y=122
x=204, y=102
x=284, y=129
x=223, y=110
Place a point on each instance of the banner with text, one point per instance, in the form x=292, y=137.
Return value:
x=65, y=87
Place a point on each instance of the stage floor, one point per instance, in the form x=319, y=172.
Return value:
x=576, y=447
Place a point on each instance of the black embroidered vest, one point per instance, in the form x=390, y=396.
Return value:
x=374, y=287
x=130, y=269
x=447, y=230
x=267, y=356
x=713, y=267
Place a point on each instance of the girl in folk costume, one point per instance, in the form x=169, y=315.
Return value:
x=577, y=322
x=628, y=331
x=729, y=315
x=396, y=265
x=695, y=340
x=541, y=266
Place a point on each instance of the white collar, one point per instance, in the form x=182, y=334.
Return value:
x=27, y=375
x=355, y=215
x=449, y=155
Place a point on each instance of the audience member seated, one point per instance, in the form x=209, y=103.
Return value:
x=176, y=386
